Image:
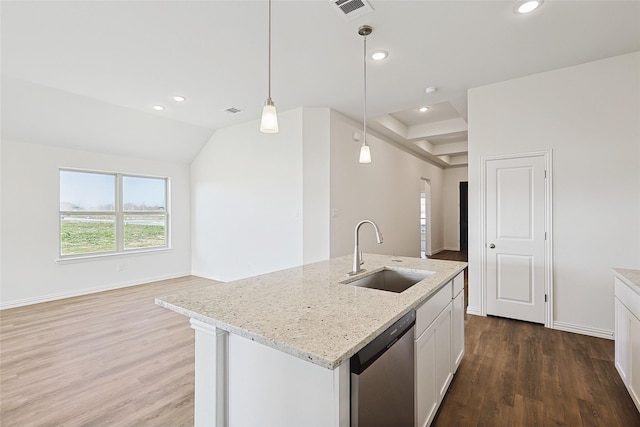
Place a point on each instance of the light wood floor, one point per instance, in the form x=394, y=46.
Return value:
x=108, y=359
x=117, y=359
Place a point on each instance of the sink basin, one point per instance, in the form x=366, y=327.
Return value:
x=395, y=280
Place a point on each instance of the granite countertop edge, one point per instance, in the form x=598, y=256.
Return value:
x=405, y=301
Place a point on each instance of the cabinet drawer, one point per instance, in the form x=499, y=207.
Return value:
x=429, y=310
x=628, y=297
x=458, y=284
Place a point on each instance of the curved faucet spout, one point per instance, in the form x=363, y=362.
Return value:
x=357, y=255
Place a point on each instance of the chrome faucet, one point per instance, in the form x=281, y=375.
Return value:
x=357, y=254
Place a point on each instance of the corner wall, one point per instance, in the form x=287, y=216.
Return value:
x=589, y=115
x=247, y=211
x=30, y=272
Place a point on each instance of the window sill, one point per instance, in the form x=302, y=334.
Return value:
x=95, y=257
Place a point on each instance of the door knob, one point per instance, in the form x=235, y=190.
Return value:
x=492, y=246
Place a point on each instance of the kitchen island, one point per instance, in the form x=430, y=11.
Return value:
x=272, y=348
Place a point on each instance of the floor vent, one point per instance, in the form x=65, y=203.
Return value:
x=233, y=110
x=351, y=9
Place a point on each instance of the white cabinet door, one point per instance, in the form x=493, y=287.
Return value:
x=457, y=343
x=622, y=347
x=425, y=365
x=444, y=370
x=433, y=366
x=634, y=361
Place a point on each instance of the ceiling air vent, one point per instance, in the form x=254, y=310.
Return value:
x=232, y=110
x=351, y=9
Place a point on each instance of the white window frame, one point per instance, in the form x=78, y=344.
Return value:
x=119, y=214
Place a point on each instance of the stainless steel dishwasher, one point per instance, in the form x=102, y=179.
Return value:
x=382, y=378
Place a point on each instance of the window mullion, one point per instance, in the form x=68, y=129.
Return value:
x=119, y=215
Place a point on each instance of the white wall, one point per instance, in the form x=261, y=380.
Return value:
x=262, y=203
x=589, y=115
x=247, y=200
x=30, y=271
x=451, y=205
x=315, y=191
x=386, y=191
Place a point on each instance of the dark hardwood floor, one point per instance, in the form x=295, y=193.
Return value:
x=450, y=256
x=522, y=374
x=117, y=359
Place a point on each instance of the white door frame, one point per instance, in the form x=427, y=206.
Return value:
x=426, y=189
x=548, y=247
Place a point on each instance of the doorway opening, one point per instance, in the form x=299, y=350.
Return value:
x=425, y=219
x=464, y=216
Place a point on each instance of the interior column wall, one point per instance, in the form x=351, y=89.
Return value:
x=247, y=209
x=451, y=205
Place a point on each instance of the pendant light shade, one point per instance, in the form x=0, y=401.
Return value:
x=365, y=152
x=269, y=121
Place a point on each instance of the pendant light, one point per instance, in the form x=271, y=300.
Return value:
x=365, y=153
x=269, y=121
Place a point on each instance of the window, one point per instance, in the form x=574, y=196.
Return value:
x=111, y=212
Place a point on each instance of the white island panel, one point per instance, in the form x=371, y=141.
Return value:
x=270, y=388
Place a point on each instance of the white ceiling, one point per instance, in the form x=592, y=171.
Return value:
x=86, y=74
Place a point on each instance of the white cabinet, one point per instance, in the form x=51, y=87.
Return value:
x=439, y=347
x=622, y=347
x=457, y=342
x=433, y=367
x=627, y=338
x=425, y=386
x=634, y=381
x=444, y=369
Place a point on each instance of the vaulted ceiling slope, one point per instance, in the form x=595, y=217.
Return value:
x=89, y=73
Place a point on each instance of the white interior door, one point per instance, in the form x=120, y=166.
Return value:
x=515, y=237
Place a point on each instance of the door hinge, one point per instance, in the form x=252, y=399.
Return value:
x=545, y=297
x=545, y=174
x=545, y=235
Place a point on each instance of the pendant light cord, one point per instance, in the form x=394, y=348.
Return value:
x=364, y=56
x=269, y=50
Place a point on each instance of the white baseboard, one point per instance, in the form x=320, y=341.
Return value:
x=583, y=330
x=85, y=291
x=206, y=276
x=433, y=252
x=474, y=311
x=452, y=248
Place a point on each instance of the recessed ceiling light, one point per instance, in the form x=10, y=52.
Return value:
x=379, y=55
x=423, y=109
x=158, y=107
x=431, y=89
x=527, y=6
x=179, y=98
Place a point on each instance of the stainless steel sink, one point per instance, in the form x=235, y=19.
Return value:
x=391, y=280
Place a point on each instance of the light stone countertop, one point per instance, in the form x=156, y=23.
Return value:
x=630, y=277
x=306, y=312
